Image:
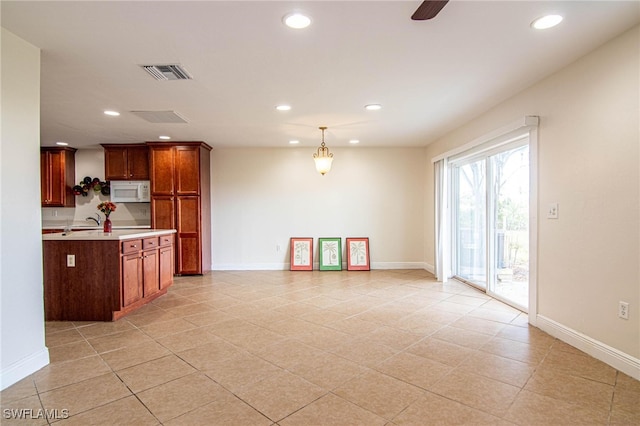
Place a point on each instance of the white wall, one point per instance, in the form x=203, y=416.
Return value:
x=23, y=348
x=589, y=158
x=262, y=197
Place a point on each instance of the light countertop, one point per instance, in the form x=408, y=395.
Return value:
x=99, y=235
x=76, y=227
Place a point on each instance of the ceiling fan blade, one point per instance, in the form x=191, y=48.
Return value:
x=428, y=9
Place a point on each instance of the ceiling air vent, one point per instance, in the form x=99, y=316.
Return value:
x=160, y=116
x=167, y=72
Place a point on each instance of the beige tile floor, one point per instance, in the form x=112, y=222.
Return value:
x=320, y=348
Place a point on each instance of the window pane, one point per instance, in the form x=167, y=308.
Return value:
x=471, y=223
x=511, y=223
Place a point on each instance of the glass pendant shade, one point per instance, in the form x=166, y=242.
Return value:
x=323, y=164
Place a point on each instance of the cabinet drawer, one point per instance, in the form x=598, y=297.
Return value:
x=166, y=240
x=148, y=243
x=131, y=246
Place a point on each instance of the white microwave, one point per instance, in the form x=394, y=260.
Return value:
x=130, y=191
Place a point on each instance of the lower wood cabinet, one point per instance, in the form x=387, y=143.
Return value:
x=131, y=277
x=150, y=272
x=109, y=279
x=147, y=268
x=166, y=266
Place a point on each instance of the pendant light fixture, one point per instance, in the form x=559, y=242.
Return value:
x=323, y=157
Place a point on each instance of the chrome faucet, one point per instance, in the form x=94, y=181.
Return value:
x=97, y=221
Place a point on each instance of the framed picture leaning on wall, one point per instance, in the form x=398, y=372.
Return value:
x=330, y=254
x=301, y=252
x=358, y=254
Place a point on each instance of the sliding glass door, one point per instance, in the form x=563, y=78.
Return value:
x=490, y=218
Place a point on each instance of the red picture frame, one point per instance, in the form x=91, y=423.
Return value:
x=301, y=254
x=358, y=254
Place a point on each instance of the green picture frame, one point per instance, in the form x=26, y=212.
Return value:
x=330, y=254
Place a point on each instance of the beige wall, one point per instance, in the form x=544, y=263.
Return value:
x=589, y=158
x=262, y=197
x=22, y=346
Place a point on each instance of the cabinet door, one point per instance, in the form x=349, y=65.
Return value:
x=150, y=272
x=56, y=178
x=166, y=266
x=187, y=170
x=45, y=188
x=57, y=173
x=138, y=163
x=115, y=163
x=53, y=176
x=162, y=165
x=131, y=278
x=163, y=213
x=189, y=254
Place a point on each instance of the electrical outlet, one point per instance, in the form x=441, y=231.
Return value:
x=278, y=248
x=623, y=310
x=71, y=260
x=552, y=211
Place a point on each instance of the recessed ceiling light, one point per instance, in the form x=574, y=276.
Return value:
x=294, y=142
x=546, y=22
x=373, y=107
x=112, y=113
x=164, y=138
x=283, y=107
x=296, y=20
x=354, y=141
x=62, y=143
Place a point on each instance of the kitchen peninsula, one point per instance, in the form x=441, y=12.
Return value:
x=98, y=276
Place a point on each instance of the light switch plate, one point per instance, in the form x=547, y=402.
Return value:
x=552, y=211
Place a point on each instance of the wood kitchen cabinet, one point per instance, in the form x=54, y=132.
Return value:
x=126, y=162
x=112, y=274
x=131, y=279
x=150, y=266
x=57, y=177
x=181, y=199
x=141, y=269
x=166, y=261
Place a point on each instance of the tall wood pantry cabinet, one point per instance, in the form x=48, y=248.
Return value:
x=57, y=176
x=181, y=200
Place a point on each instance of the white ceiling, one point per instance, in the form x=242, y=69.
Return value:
x=430, y=76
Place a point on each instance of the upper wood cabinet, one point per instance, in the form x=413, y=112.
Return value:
x=175, y=170
x=162, y=159
x=126, y=162
x=57, y=177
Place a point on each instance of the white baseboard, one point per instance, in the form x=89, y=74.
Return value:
x=398, y=265
x=619, y=360
x=250, y=267
x=21, y=369
x=285, y=266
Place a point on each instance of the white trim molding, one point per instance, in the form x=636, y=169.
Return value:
x=617, y=359
x=21, y=369
x=401, y=265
